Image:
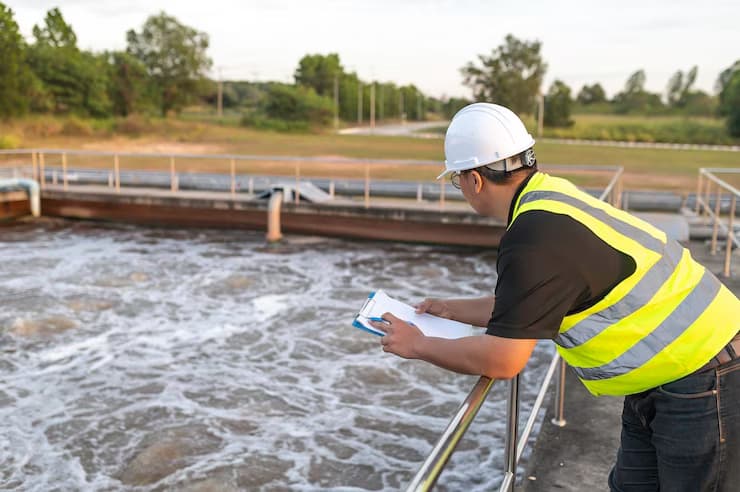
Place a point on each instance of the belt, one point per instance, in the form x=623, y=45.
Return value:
x=729, y=352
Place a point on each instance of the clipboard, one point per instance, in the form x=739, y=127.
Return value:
x=379, y=303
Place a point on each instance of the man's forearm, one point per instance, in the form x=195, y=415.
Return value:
x=476, y=311
x=483, y=355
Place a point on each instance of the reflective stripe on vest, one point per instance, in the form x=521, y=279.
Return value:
x=665, y=320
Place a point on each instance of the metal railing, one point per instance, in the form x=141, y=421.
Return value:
x=432, y=467
x=707, y=180
x=366, y=178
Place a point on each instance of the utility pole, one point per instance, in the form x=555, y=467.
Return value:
x=220, y=99
x=541, y=114
x=400, y=107
x=372, y=106
x=336, y=101
x=380, y=106
x=359, y=102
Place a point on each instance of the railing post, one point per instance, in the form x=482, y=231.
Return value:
x=708, y=186
x=174, y=185
x=117, y=173
x=297, y=183
x=64, y=170
x=331, y=189
x=419, y=192
x=367, y=185
x=559, y=418
x=512, y=416
x=42, y=171
x=698, y=192
x=730, y=236
x=715, y=228
x=233, y=177
x=251, y=186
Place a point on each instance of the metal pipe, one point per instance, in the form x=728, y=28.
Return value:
x=297, y=196
x=32, y=189
x=432, y=467
x=559, y=418
x=274, y=233
x=536, y=407
x=117, y=173
x=173, y=175
x=512, y=416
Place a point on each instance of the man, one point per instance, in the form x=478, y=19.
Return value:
x=629, y=310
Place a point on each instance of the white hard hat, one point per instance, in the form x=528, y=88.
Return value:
x=481, y=134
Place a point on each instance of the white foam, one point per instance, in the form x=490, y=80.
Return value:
x=271, y=365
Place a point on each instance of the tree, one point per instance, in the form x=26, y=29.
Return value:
x=14, y=74
x=634, y=97
x=511, y=75
x=730, y=102
x=723, y=81
x=318, y=72
x=72, y=81
x=591, y=94
x=174, y=56
x=557, y=105
x=679, y=87
x=55, y=32
x=128, y=87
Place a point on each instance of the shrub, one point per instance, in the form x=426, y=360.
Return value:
x=9, y=142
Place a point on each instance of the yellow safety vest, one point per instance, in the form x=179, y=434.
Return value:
x=663, y=322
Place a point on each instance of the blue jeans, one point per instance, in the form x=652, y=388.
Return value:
x=682, y=436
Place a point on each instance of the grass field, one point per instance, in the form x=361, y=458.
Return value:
x=644, y=168
x=626, y=128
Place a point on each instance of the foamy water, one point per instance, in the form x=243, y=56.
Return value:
x=155, y=359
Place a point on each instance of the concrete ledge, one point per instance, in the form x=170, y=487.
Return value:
x=384, y=220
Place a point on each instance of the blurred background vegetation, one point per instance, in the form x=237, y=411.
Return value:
x=49, y=85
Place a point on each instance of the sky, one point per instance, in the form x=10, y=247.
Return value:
x=425, y=43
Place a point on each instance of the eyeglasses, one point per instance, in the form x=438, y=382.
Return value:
x=455, y=178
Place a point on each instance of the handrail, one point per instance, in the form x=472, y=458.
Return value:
x=703, y=197
x=432, y=467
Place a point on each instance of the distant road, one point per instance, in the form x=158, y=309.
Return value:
x=416, y=130
x=413, y=129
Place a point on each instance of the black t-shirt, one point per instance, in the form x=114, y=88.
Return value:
x=550, y=265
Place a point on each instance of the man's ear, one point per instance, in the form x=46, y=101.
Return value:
x=477, y=181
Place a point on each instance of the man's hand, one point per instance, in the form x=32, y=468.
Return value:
x=437, y=307
x=400, y=337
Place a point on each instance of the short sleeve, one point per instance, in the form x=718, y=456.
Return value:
x=539, y=277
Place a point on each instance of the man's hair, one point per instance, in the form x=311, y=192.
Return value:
x=503, y=177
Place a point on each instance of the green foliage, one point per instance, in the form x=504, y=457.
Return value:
x=293, y=103
x=9, y=142
x=15, y=77
x=731, y=103
x=55, y=32
x=452, y=106
x=635, y=99
x=722, y=82
x=672, y=129
x=591, y=94
x=72, y=81
x=278, y=125
x=511, y=75
x=319, y=72
x=557, y=105
x=175, y=58
x=679, y=87
x=128, y=86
